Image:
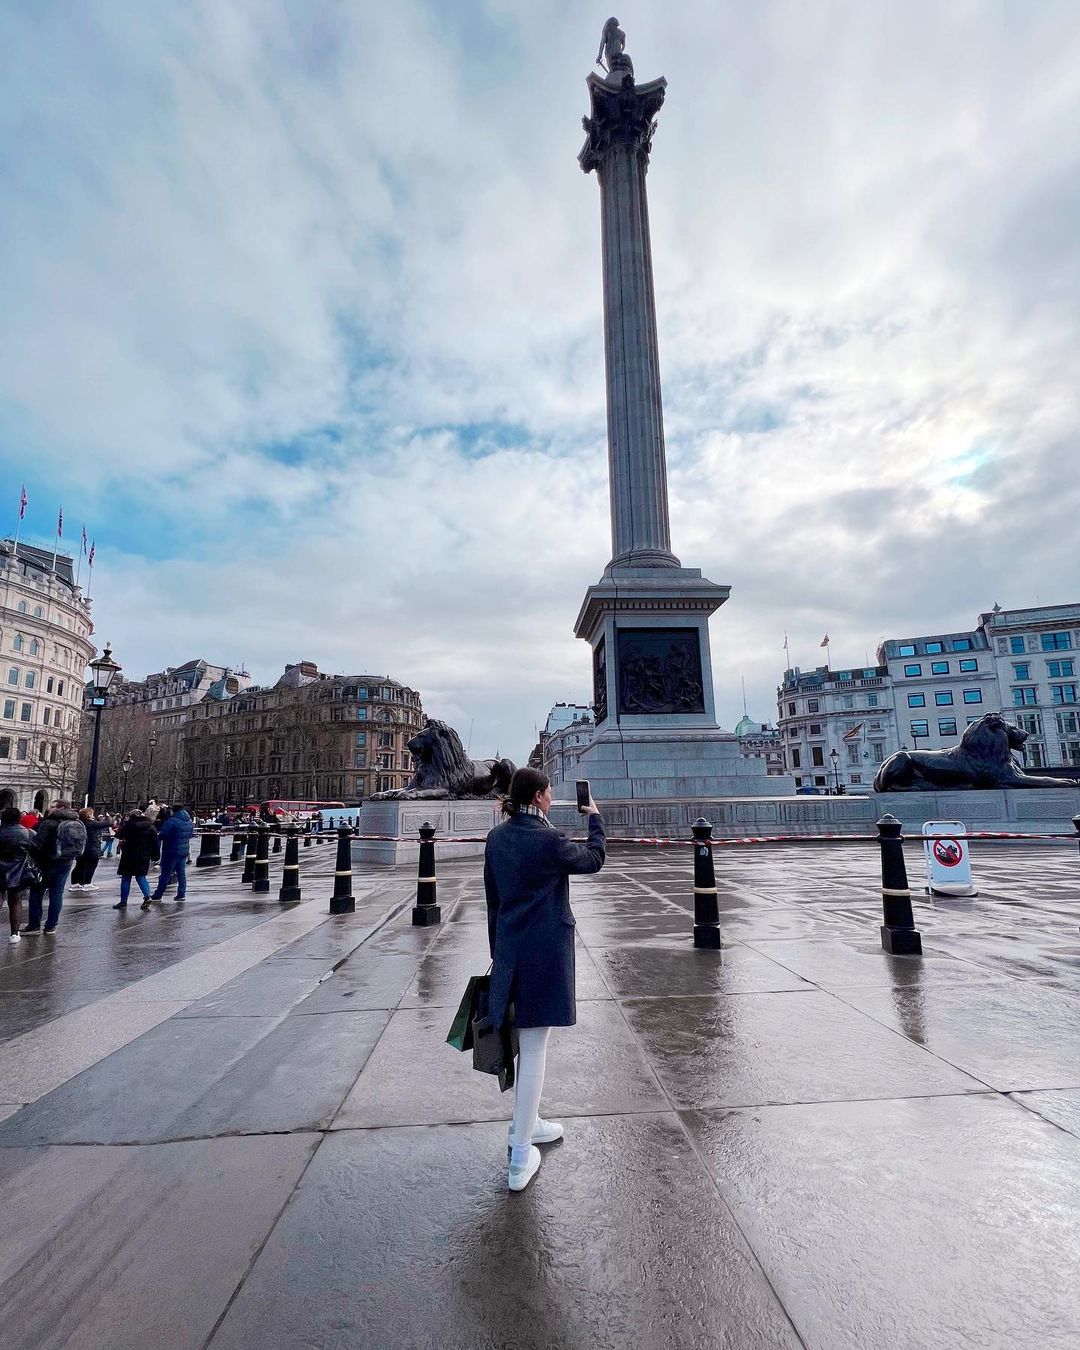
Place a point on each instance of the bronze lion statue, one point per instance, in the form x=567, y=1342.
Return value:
x=983, y=759
x=443, y=769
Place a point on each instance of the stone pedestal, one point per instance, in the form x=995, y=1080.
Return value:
x=449, y=817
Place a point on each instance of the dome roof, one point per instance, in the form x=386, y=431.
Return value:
x=746, y=726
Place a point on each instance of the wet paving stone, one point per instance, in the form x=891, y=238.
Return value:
x=800, y=1047
x=21, y=1012
x=267, y=990
x=128, y=1248
x=135, y=1094
x=928, y=1223
x=413, y=1077
x=639, y=971
x=365, y=981
x=849, y=964
x=1014, y=1035
x=1060, y=1108
x=101, y=968
x=566, y=1264
x=294, y=1078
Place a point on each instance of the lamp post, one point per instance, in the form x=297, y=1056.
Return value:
x=150, y=766
x=228, y=767
x=105, y=670
x=127, y=766
x=834, y=755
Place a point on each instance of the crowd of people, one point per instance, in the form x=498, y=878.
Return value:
x=47, y=855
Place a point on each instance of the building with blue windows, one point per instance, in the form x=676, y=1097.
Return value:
x=837, y=725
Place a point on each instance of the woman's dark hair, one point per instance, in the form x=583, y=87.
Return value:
x=524, y=786
x=11, y=815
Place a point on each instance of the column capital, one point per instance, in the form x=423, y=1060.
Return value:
x=622, y=115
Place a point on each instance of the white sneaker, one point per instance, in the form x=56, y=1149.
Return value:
x=519, y=1177
x=14, y=938
x=544, y=1132
x=90, y=886
x=74, y=886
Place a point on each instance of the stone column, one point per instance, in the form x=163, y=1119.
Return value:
x=619, y=134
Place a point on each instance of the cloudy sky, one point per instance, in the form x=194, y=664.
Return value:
x=302, y=316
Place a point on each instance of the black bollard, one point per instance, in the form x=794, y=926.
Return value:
x=1076, y=827
x=209, y=847
x=342, y=902
x=426, y=911
x=238, y=849
x=307, y=838
x=260, y=881
x=289, y=894
x=899, y=936
x=248, y=875
x=277, y=841
x=706, y=903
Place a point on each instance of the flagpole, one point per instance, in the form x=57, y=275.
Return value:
x=90, y=569
x=18, y=523
x=56, y=541
x=787, y=651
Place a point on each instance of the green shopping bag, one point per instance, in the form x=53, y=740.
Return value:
x=461, y=1036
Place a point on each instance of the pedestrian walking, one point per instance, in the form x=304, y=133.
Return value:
x=527, y=866
x=139, y=847
x=59, y=839
x=108, y=835
x=152, y=810
x=175, y=840
x=17, y=867
x=82, y=874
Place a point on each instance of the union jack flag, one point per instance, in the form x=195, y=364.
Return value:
x=22, y=503
x=91, y=559
x=60, y=523
x=84, y=539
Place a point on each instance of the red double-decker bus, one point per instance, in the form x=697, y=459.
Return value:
x=292, y=810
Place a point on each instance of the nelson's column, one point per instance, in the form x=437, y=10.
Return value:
x=648, y=617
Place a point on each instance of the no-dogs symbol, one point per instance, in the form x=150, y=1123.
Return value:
x=948, y=852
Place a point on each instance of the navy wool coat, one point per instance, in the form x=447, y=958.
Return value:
x=527, y=866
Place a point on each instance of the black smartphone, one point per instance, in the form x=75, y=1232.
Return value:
x=583, y=794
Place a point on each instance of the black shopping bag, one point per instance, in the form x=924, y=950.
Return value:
x=494, y=1048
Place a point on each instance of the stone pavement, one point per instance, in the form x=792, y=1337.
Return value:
x=231, y=1126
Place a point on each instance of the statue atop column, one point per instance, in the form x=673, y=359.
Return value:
x=612, y=55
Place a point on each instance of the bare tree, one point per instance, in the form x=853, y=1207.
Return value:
x=125, y=738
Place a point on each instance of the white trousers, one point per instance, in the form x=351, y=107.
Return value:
x=532, y=1060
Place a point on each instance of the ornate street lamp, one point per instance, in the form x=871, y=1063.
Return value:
x=228, y=771
x=105, y=671
x=834, y=755
x=150, y=766
x=127, y=766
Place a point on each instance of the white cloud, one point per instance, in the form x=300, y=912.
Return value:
x=303, y=303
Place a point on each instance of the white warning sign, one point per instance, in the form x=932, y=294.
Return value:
x=948, y=862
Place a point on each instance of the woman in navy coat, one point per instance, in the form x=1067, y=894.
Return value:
x=527, y=866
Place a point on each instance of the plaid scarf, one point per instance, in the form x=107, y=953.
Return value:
x=534, y=811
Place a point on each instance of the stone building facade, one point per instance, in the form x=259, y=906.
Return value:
x=563, y=748
x=836, y=726
x=146, y=721
x=45, y=643
x=309, y=737
x=927, y=690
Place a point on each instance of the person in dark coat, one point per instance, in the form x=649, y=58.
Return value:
x=139, y=847
x=59, y=840
x=15, y=840
x=82, y=874
x=527, y=868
